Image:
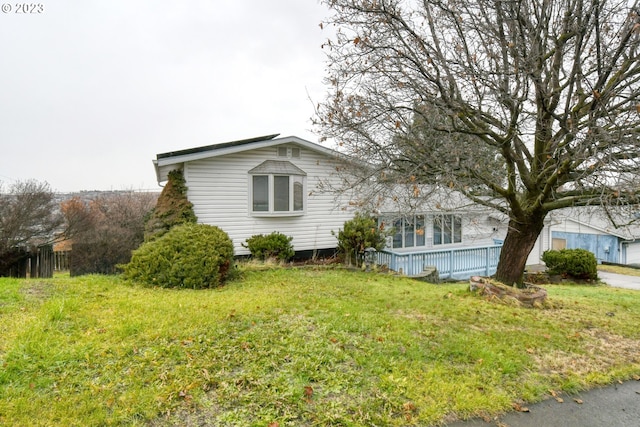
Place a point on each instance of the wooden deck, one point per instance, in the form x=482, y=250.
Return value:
x=455, y=263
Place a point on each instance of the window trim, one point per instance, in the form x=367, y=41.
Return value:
x=423, y=230
x=455, y=222
x=297, y=185
x=419, y=240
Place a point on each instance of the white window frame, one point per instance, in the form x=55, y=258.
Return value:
x=455, y=233
x=412, y=228
x=288, y=152
x=271, y=188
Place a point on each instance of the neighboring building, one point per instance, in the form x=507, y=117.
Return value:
x=592, y=229
x=262, y=185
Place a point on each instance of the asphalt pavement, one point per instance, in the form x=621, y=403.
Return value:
x=617, y=405
x=620, y=280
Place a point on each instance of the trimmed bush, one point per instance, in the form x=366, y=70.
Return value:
x=188, y=256
x=577, y=263
x=357, y=234
x=274, y=245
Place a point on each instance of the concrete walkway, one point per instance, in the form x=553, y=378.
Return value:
x=614, y=406
x=620, y=281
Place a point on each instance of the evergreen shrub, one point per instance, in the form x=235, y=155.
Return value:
x=577, y=263
x=188, y=256
x=357, y=234
x=274, y=245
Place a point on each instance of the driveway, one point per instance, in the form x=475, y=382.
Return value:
x=620, y=281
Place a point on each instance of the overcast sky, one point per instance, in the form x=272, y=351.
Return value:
x=92, y=90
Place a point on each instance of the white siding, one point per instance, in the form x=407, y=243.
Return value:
x=535, y=255
x=632, y=253
x=569, y=226
x=219, y=191
x=478, y=229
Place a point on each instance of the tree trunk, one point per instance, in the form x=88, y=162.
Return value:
x=519, y=242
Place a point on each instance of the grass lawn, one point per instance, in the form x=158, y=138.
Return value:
x=298, y=347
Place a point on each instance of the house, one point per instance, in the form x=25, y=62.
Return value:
x=261, y=185
x=266, y=184
x=285, y=184
x=593, y=229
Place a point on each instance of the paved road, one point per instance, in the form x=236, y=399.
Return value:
x=613, y=406
x=620, y=281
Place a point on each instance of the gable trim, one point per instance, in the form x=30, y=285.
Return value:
x=277, y=167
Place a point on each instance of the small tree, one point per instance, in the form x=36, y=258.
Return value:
x=358, y=234
x=173, y=208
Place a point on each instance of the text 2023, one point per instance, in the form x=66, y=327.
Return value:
x=28, y=8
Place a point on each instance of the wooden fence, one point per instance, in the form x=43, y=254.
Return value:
x=61, y=260
x=458, y=263
x=35, y=262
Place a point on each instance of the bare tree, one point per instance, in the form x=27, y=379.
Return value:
x=28, y=217
x=106, y=229
x=546, y=88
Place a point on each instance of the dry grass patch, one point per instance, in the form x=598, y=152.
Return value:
x=602, y=352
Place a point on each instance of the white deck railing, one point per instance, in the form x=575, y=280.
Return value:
x=457, y=263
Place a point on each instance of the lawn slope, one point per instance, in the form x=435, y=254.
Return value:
x=304, y=346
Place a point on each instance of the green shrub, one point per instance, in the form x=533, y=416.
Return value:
x=359, y=233
x=577, y=263
x=172, y=208
x=274, y=245
x=187, y=256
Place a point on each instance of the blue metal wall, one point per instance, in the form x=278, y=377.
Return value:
x=604, y=247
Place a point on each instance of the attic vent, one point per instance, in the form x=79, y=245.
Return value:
x=289, y=152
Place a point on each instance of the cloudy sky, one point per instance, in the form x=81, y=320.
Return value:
x=92, y=90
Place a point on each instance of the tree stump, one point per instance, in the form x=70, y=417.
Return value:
x=530, y=296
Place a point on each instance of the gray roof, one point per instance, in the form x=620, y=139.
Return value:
x=215, y=146
x=277, y=167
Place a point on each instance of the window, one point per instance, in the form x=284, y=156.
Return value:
x=277, y=188
x=261, y=193
x=409, y=232
x=447, y=229
x=289, y=152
